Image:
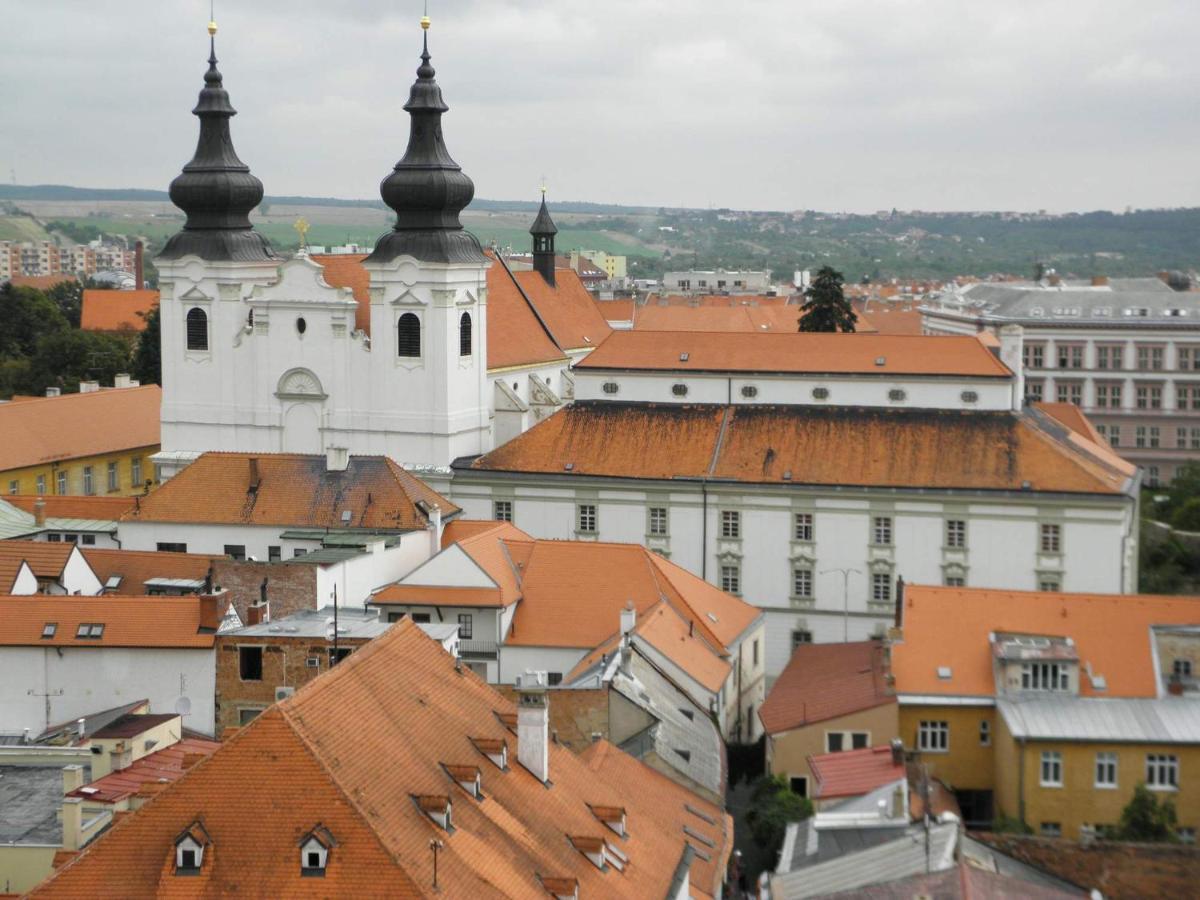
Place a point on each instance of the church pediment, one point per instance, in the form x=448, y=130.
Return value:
x=407, y=298
x=302, y=281
x=195, y=295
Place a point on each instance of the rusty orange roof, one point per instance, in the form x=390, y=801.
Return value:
x=40, y=282
x=951, y=627
x=345, y=270
x=890, y=318
x=721, y=300
x=75, y=425
x=756, y=319
x=422, y=595
x=572, y=316
x=128, y=621
x=45, y=559
x=294, y=490
x=852, y=773
x=135, y=567
x=618, y=310
x=825, y=681
x=94, y=507
x=516, y=336
x=161, y=766
x=809, y=445
x=794, y=352
x=116, y=310
x=1072, y=417
x=348, y=750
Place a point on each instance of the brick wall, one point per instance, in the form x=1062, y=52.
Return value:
x=290, y=588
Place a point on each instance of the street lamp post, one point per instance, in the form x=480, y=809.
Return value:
x=845, y=573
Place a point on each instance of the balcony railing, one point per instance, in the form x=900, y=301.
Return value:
x=477, y=649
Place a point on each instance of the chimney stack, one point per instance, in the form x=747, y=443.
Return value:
x=628, y=617
x=72, y=823
x=139, y=264
x=533, y=724
x=53, y=392
x=122, y=380
x=897, y=752
x=435, y=529
x=81, y=728
x=1012, y=344
x=39, y=511
x=337, y=459
x=210, y=615
x=72, y=778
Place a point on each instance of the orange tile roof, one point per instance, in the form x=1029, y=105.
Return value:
x=421, y=595
x=951, y=627
x=794, y=352
x=853, y=773
x=515, y=335
x=136, y=567
x=46, y=559
x=294, y=490
x=75, y=507
x=345, y=270
x=76, y=425
x=567, y=309
x=756, y=319
x=161, y=766
x=461, y=529
x=675, y=638
x=128, y=621
x=890, y=318
x=40, y=282
x=825, y=681
x=347, y=751
x=1071, y=416
x=621, y=310
x=116, y=310
x=808, y=445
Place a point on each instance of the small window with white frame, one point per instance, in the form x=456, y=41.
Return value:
x=1050, y=538
x=956, y=533
x=1051, y=774
x=1106, y=770
x=502, y=510
x=881, y=587
x=1045, y=676
x=731, y=523
x=881, y=531
x=802, y=526
x=933, y=736
x=657, y=521
x=585, y=518
x=731, y=579
x=801, y=636
x=802, y=582
x=1162, y=771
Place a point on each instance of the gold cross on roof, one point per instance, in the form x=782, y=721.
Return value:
x=301, y=226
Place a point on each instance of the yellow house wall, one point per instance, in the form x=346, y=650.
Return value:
x=22, y=867
x=1006, y=795
x=788, y=752
x=967, y=764
x=26, y=478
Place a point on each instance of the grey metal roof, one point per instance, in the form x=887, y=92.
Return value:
x=898, y=858
x=812, y=845
x=1172, y=720
x=30, y=797
x=91, y=723
x=1114, y=304
x=313, y=623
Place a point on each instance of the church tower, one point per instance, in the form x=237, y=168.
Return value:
x=428, y=279
x=205, y=271
x=543, y=231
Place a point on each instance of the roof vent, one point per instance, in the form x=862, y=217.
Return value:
x=570, y=467
x=944, y=673
x=346, y=515
x=881, y=360
x=683, y=357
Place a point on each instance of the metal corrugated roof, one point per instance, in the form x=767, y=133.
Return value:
x=1166, y=721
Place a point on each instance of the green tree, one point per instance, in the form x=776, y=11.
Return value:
x=68, y=297
x=1186, y=516
x=147, y=357
x=825, y=305
x=773, y=804
x=26, y=315
x=1147, y=820
x=65, y=358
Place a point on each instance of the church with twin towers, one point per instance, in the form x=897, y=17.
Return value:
x=386, y=353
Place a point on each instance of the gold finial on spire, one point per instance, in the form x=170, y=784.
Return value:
x=425, y=18
x=212, y=19
x=543, y=185
x=301, y=225
x=212, y=27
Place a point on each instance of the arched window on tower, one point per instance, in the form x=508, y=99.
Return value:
x=408, y=336
x=197, y=329
x=464, y=335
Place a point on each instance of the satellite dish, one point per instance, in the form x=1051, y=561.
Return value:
x=183, y=706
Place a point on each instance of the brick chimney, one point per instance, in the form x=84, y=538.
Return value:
x=210, y=611
x=1099, y=281
x=39, y=511
x=533, y=724
x=139, y=265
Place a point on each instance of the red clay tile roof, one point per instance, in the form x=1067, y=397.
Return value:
x=47, y=560
x=794, y=352
x=825, y=681
x=574, y=319
x=294, y=490
x=726, y=319
x=620, y=310
x=40, y=282
x=116, y=310
x=1071, y=416
x=421, y=595
x=347, y=751
x=719, y=300
x=76, y=425
x=128, y=621
x=951, y=627
x=807, y=445
x=345, y=270
x=166, y=765
x=136, y=567
x=75, y=507
x=461, y=529
x=890, y=318
x=853, y=773
x=515, y=335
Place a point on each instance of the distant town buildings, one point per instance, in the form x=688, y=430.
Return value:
x=33, y=258
x=719, y=281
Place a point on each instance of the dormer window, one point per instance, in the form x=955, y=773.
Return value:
x=189, y=849
x=592, y=848
x=612, y=816
x=494, y=749
x=438, y=807
x=561, y=888
x=314, y=852
x=1045, y=676
x=468, y=778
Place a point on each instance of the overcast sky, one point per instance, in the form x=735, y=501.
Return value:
x=769, y=104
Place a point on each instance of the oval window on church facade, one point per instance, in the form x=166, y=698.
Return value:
x=301, y=325
x=408, y=336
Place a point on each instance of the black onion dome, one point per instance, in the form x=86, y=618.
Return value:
x=543, y=224
x=216, y=189
x=427, y=188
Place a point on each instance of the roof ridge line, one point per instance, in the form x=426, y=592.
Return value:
x=710, y=637
x=533, y=308
x=720, y=444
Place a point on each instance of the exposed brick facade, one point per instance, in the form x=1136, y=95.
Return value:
x=290, y=587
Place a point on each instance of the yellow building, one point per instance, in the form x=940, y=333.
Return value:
x=1051, y=708
x=614, y=266
x=95, y=443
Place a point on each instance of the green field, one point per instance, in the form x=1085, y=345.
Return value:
x=21, y=228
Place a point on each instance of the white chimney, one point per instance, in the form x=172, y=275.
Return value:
x=82, y=726
x=121, y=380
x=337, y=459
x=435, y=530
x=628, y=617
x=533, y=724
x=53, y=392
x=72, y=823
x=1012, y=343
x=89, y=387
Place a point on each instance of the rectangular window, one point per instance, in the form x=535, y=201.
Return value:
x=802, y=526
x=502, y=510
x=250, y=661
x=799, y=785
x=956, y=533
x=731, y=523
x=1035, y=391
x=1035, y=356
x=858, y=740
x=113, y=480
x=466, y=626
x=1181, y=668
x=586, y=518
x=90, y=630
x=800, y=636
x=88, y=487
x=88, y=540
x=1070, y=356
x=1051, y=538
x=553, y=678
x=1109, y=356
x=881, y=587
x=1051, y=829
x=1152, y=476
x=1152, y=437
x=881, y=532
x=245, y=717
x=754, y=652
x=1108, y=395
x=1070, y=392
x=933, y=737
x=170, y=547
x=274, y=554
x=954, y=581
x=1149, y=357
x=731, y=579
x=834, y=742
x=1188, y=356
x=1139, y=436
x=658, y=521
x=1114, y=435
x=985, y=733
x=419, y=618
x=299, y=551
x=1148, y=396
x=235, y=551
x=1049, y=583
x=1187, y=395
x=1162, y=771
x=1106, y=770
x=40, y=485
x=14, y=487
x=1045, y=676
x=1051, y=775
x=802, y=583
